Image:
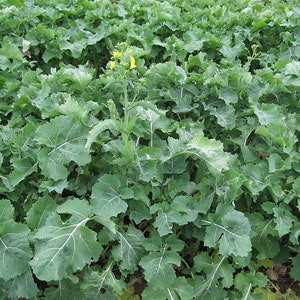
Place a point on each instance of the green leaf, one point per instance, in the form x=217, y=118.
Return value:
x=39, y=212
x=158, y=267
x=130, y=248
x=6, y=211
x=106, y=199
x=262, y=240
x=256, y=176
x=80, y=76
x=148, y=164
x=57, y=242
x=225, y=115
x=283, y=219
x=63, y=140
x=96, y=279
x=65, y=290
x=23, y=286
x=268, y=114
x=211, y=151
x=164, y=222
x=295, y=271
x=97, y=129
x=231, y=231
x=71, y=107
x=213, y=271
x=78, y=209
x=245, y=281
x=22, y=168
x=179, y=290
x=14, y=249
x=138, y=211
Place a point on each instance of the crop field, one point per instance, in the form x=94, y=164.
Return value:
x=149, y=150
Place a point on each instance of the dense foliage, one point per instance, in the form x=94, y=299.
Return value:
x=149, y=149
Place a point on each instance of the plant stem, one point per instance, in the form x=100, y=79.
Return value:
x=125, y=134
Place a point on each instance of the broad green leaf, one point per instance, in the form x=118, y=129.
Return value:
x=231, y=232
x=211, y=151
x=57, y=242
x=22, y=168
x=213, y=272
x=64, y=290
x=179, y=290
x=263, y=240
x=164, y=222
x=295, y=271
x=292, y=73
x=23, y=286
x=97, y=129
x=245, y=281
x=181, y=185
x=106, y=199
x=155, y=118
x=39, y=212
x=193, y=40
x=80, y=76
x=54, y=186
x=225, y=115
x=149, y=164
x=158, y=267
x=63, y=140
x=187, y=207
x=96, y=279
x=284, y=219
x=280, y=134
x=229, y=186
x=184, y=209
x=14, y=249
x=204, y=291
x=268, y=114
x=6, y=211
x=138, y=211
x=71, y=107
x=256, y=176
x=75, y=46
x=130, y=248
x=78, y=209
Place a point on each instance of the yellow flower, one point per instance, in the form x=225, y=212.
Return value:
x=112, y=65
x=117, y=54
x=132, y=62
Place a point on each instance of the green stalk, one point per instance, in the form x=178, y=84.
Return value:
x=125, y=134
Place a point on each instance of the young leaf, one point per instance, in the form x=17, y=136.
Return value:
x=158, y=267
x=284, y=219
x=256, y=175
x=23, y=286
x=57, y=242
x=39, y=212
x=179, y=290
x=22, y=168
x=295, y=272
x=63, y=140
x=96, y=280
x=106, y=199
x=65, y=290
x=6, y=211
x=230, y=232
x=211, y=151
x=164, y=222
x=130, y=249
x=14, y=249
x=213, y=271
x=97, y=129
